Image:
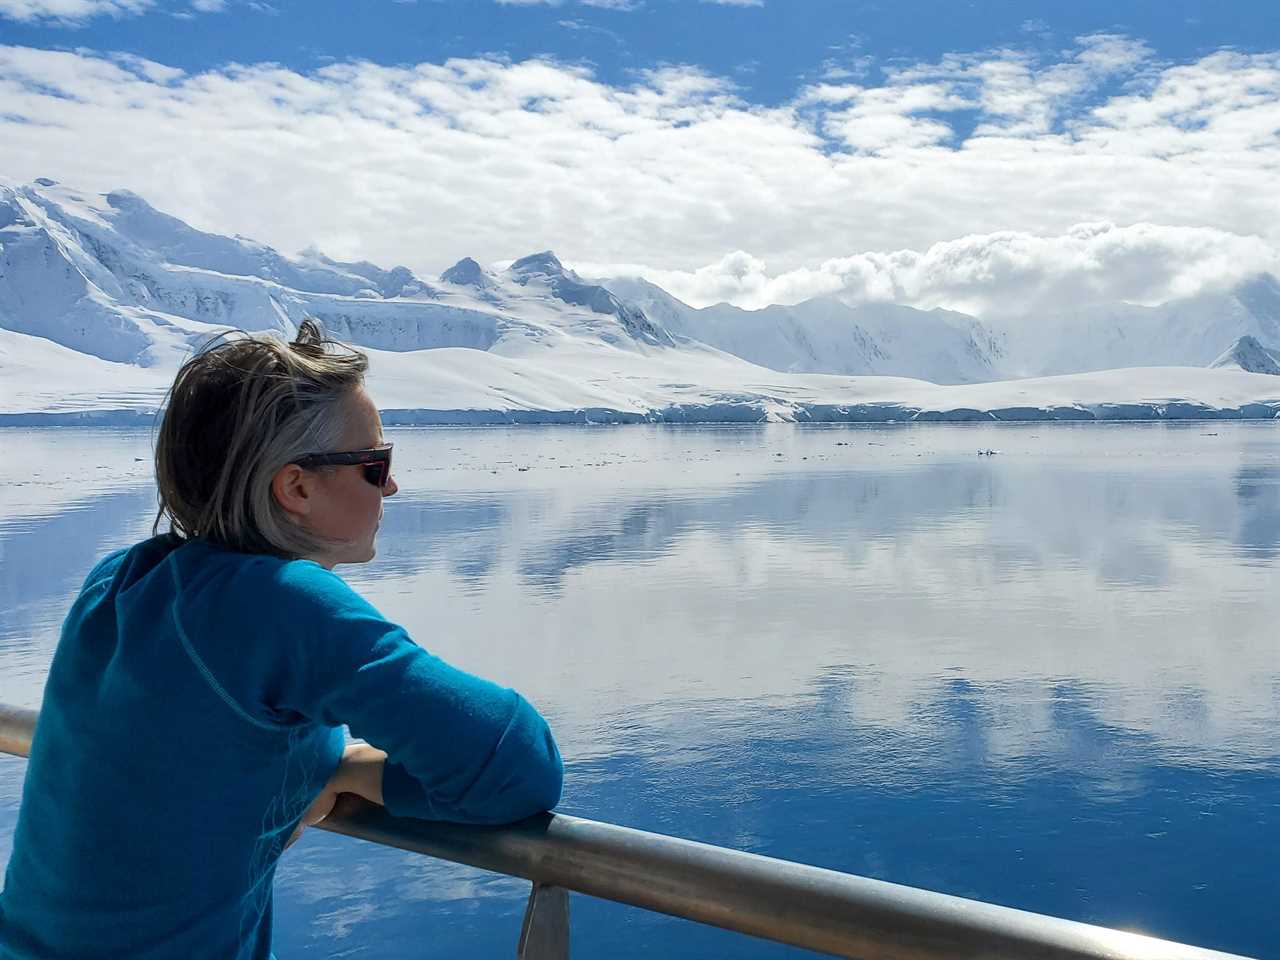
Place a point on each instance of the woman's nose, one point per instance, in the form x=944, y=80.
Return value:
x=390, y=489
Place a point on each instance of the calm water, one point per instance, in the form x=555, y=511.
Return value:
x=1046, y=677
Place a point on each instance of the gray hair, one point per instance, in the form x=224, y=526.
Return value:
x=240, y=409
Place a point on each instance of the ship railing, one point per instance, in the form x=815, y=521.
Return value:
x=791, y=903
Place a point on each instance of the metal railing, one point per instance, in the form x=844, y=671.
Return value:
x=821, y=910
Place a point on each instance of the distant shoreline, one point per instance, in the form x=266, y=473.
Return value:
x=727, y=414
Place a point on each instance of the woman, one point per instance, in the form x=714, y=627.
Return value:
x=192, y=719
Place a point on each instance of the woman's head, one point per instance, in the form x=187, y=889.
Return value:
x=240, y=415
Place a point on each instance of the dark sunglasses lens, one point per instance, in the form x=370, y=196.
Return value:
x=376, y=473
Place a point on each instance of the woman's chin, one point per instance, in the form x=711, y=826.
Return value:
x=356, y=555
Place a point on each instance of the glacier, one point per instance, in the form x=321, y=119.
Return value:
x=102, y=297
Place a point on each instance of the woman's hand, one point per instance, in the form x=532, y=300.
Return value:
x=359, y=772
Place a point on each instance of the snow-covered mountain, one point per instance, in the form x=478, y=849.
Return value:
x=825, y=335
x=1249, y=355
x=102, y=297
x=1187, y=332
x=111, y=277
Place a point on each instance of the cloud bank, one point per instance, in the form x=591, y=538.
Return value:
x=1007, y=273
x=963, y=183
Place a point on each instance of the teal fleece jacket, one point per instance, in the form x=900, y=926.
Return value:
x=193, y=710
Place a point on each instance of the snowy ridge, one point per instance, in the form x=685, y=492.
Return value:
x=102, y=297
x=111, y=277
x=1249, y=355
x=825, y=335
x=1192, y=331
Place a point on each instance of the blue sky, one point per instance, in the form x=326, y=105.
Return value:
x=769, y=50
x=934, y=152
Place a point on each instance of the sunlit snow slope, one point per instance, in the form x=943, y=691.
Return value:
x=102, y=297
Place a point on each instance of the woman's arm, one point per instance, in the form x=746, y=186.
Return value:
x=458, y=747
x=359, y=772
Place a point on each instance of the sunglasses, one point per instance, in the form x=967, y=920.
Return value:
x=375, y=462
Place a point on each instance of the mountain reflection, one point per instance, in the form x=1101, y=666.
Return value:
x=1120, y=524
x=1258, y=491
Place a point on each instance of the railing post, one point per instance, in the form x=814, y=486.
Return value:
x=545, y=932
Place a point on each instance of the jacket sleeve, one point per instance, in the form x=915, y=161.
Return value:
x=459, y=747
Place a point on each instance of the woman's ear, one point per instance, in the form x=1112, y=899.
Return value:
x=292, y=488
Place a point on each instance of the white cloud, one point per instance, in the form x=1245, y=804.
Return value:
x=581, y=26
x=140, y=66
x=1006, y=273
x=76, y=13
x=70, y=11
x=424, y=164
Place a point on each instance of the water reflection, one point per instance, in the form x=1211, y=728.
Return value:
x=1258, y=490
x=1046, y=677
x=1122, y=525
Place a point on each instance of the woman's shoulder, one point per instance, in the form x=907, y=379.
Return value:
x=141, y=556
x=285, y=586
x=105, y=568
